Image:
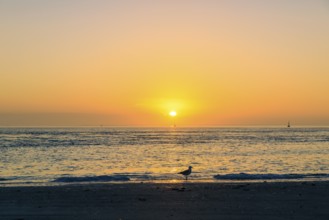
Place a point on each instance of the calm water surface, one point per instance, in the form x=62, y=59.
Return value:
x=49, y=155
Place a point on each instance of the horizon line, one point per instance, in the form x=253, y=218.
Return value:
x=154, y=126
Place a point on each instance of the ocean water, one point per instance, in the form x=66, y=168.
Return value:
x=105, y=154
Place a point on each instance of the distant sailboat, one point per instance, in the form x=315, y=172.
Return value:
x=288, y=124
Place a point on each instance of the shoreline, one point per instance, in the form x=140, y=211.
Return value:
x=5, y=184
x=182, y=200
x=125, y=179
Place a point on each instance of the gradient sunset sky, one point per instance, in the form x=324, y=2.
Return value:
x=129, y=62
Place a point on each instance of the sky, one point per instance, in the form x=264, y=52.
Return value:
x=129, y=63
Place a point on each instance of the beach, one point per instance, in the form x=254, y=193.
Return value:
x=133, y=173
x=181, y=200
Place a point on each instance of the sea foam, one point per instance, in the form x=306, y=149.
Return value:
x=246, y=176
x=104, y=178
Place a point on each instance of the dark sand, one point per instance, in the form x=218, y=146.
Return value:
x=292, y=200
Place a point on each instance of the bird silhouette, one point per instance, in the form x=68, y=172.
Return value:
x=186, y=172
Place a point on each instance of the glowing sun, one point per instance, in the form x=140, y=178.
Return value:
x=172, y=113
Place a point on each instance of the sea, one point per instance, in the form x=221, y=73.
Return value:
x=51, y=156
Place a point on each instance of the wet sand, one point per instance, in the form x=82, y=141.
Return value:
x=288, y=200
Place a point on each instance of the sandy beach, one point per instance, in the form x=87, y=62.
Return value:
x=280, y=200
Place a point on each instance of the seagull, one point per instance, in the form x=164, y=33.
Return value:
x=186, y=172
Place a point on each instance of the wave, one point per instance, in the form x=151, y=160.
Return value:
x=104, y=178
x=246, y=176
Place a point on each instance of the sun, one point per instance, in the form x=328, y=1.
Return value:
x=172, y=113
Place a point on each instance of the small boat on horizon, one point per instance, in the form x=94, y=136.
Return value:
x=288, y=124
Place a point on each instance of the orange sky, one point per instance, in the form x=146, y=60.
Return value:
x=130, y=63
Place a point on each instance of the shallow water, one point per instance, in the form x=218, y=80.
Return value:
x=44, y=155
